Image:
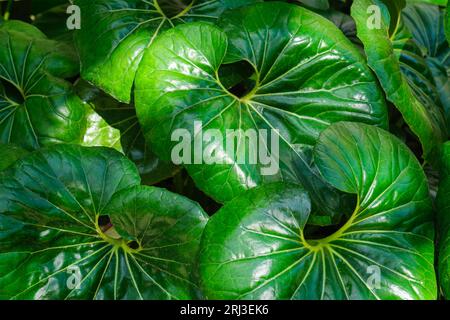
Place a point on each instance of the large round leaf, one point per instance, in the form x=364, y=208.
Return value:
x=115, y=33
x=114, y=124
x=37, y=106
x=304, y=82
x=443, y=207
x=255, y=247
x=378, y=34
x=53, y=244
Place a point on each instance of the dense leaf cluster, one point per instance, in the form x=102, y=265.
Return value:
x=93, y=205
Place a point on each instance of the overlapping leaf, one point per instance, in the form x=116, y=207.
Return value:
x=53, y=246
x=385, y=41
x=9, y=154
x=115, y=34
x=426, y=22
x=37, y=106
x=304, y=81
x=115, y=124
x=255, y=247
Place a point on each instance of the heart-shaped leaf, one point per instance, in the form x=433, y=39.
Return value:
x=57, y=207
x=302, y=82
x=37, y=106
x=443, y=207
x=115, y=33
x=255, y=246
x=378, y=26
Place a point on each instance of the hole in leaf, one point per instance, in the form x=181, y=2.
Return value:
x=104, y=222
x=238, y=78
x=172, y=8
x=12, y=92
x=133, y=245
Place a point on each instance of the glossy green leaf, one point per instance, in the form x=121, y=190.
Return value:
x=434, y=2
x=424, y=118
x=9, y=154
x=304, y=82
x=115, y=34
x=37, y=106
x=254, y=248
x=54, y=246
x=99, y=133
x=443, y=207
x=426, y=22
x=115, y=124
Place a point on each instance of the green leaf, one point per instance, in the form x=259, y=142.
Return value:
x=99, y=133
x=255, y=248
x=384, y=52
x=9, y=154
x=55, y=246
x=303, y=83
x=115, y=124
x=37, y=106
x=443, y=208
x=426, y=22
x=115, y=33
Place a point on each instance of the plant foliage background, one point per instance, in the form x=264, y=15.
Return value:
x=93, y=207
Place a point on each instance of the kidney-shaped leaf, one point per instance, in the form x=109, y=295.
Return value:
x=56, y=241
x=255, y=247
x=303, y=82
x=37, y=106
x=378, y=26
x=115, y=33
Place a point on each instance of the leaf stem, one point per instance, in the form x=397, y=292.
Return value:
x=8, y=10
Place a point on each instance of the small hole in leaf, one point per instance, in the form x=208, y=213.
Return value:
x=133, y=245
x=238, y=78
x=12, y=92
